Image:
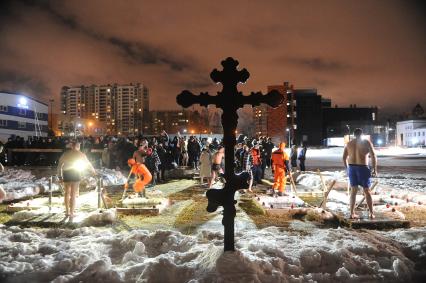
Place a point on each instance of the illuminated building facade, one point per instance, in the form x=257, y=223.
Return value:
x=172, y=121
x=22, y=116
x=123, y=109
x=411, y=133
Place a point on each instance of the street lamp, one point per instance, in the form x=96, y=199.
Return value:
x=51, y=113
x=288, y=135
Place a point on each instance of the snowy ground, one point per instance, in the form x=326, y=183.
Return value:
x=303, y=253
x=300, y=253
x=392, y=192
x=19, y=184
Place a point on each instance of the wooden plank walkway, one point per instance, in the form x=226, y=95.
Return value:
x=381, y=221
x=45, y=220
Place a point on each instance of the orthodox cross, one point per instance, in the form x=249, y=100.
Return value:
x=229, y=100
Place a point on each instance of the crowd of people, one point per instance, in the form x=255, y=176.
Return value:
x=158, y=154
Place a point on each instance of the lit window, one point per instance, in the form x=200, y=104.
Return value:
x=373, y=116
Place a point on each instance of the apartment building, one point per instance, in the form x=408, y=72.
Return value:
x=122, y=108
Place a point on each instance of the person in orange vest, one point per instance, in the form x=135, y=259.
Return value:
x=279, y=168
x=142, y=174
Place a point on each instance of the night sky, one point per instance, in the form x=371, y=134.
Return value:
x=362, y=52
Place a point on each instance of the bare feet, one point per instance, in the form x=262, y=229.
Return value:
x=354, y=216
x=372, y=216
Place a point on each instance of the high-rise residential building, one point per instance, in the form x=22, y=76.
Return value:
x=309, y=113
x=171, y=121
x=278, y=123
x=123, y=109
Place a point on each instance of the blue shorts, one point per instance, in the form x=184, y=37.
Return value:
x=359, y=175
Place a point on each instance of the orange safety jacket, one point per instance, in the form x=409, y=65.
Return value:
x=279, y=157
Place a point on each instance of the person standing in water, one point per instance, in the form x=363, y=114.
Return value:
x=355, y=159
x=70, y=166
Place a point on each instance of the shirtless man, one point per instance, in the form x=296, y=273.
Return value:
x=216, y=164
x=140, y=154
x=70, y=166
x=355, y=159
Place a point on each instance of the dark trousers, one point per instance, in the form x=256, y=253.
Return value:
x=257, y=174
x=268, y=161
x=263, y=168
x=302, y=164
x=195, y=162
x=160, y=173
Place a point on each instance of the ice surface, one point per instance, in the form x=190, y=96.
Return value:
x=301, y=253
x=391, y=151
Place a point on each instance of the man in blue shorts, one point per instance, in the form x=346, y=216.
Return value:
x=355, y=159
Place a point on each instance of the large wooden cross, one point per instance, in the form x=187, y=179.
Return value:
x=229, y=100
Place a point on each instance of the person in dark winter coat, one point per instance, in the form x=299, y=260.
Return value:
x=164, y=160
x=269, y=146
x=152, y=162
x=194, y=151
x=264, y=158
x=302, y=158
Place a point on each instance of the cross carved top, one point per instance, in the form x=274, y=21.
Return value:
x=229, y=98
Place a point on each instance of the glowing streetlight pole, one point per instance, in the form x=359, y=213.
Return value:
x=288, y=135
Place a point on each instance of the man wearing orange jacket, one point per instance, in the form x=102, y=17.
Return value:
x=279, y=168
x=141, y=173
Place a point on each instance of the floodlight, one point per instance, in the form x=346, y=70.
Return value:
x=23, y=101
x=80, y=165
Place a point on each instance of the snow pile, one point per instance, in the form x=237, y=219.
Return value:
x=18, y=184
x=110, y=177
x=100, y=218
x=302, y=253
x=413, y=239
x=313, y=180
